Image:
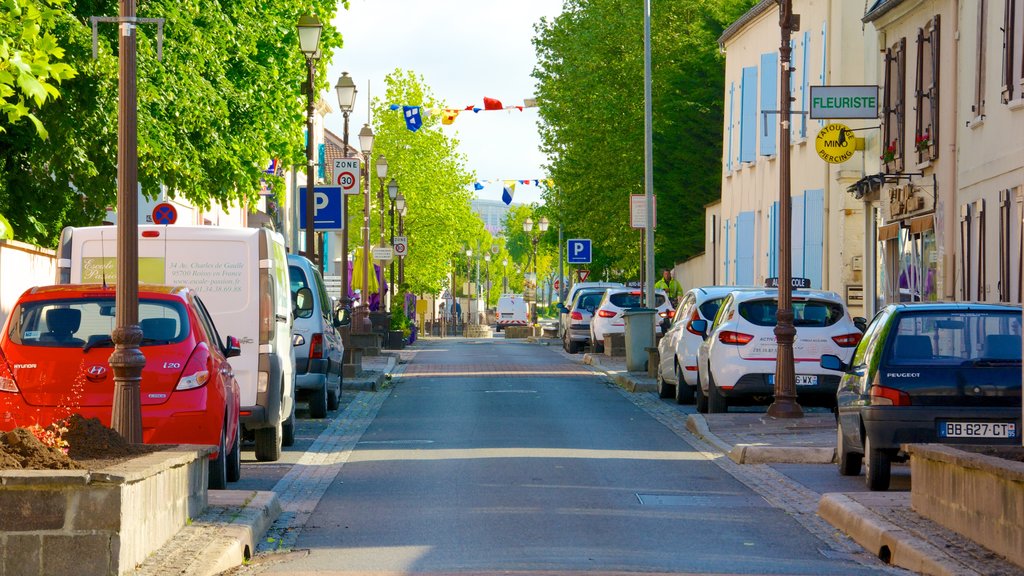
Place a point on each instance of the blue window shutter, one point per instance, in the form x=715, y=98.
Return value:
x=814, y=235
x=769, y=101
x=745, y=249
x=748, y=115
x=773, y=240
x=728, y=159
x=803, y=85
x=726, y=252
x=320, y=155
x=797, y=238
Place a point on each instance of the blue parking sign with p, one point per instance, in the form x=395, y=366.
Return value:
x=579, y=251
x=327, y=208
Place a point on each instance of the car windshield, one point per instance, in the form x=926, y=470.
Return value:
x=87, y=323
x=954, y=337
x=806, y=313
x=633, y=299
x=709, y=308
x=589, y=300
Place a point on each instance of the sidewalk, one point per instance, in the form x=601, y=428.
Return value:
x=883, y=523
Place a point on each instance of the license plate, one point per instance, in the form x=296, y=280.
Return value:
x=977, y=430
x=801, y=380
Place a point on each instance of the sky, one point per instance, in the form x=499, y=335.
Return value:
x=463, y=51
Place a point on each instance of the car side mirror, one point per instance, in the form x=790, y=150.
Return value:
x=832, y=362
x=342, y=317
x=562, y=308
x=861, y=323
x=303, y=303
x=700, y=327
x=234, y=348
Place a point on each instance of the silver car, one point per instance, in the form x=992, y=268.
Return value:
x=577, y=333
x=319, y=350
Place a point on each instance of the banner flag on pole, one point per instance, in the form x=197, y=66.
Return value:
x=508, y=191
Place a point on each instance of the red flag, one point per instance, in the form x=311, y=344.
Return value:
x=492, y=104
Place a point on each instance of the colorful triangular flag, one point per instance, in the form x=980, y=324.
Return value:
x=492, y=104
x=413, y=121
x=508, y=191
x=449, y=115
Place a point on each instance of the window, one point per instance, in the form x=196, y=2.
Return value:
x=895, y=94
x=807, y=313
x=1013, y=50
x=979, y=63
x=926, y=138
x=972, y=251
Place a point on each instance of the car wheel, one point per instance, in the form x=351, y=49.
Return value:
x=665, y=390
x=318, y=403
x=684, y=392
x=702, y=402
x=716, y=402
x=268, y=443
x=849, y=462
x=334, y=396
x=596, y=344
x=288, y=429
x=235, y=459
x=218, y=478
x=572, y=346
x=877, y=467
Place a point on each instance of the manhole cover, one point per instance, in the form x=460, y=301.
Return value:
x=700, y=500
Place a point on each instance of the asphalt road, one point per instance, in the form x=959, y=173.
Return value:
x=496, y=456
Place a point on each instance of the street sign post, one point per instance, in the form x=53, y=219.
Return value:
x=583, y=275
x=346, y=175
x=638, y=211
x=401, y=246
x=844, y=102
x=579, y=250
x=326, y=208
x=165, y=213
x=382, y=253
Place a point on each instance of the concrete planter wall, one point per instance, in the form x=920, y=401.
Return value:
x=98, y=522
x=981, y=497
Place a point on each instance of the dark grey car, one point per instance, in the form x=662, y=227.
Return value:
x=319, y=350
x=577, y=333
x=928, y=372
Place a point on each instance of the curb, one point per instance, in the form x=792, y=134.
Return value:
x=696, y=424
x=373, y=381
x=750, y=454
x=889, y=542
x=620, y=378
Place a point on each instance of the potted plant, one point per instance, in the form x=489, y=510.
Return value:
x=923, y=142
x=889, y=154
x=399, y=331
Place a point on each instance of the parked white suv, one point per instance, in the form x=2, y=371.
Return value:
x=736, y=361
x=608, y=318
x=677, y=368
x=563, y=317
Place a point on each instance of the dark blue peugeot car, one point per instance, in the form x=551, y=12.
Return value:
x=928, y=372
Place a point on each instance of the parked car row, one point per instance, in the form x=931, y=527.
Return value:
x=597, y=309
x=222, y=360
x=945, y=372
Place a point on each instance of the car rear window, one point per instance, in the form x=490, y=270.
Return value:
x=75, y=322
x=709, y=308
x=956, y=337
x=806, y=313
x=589, y=300
x=633, y=299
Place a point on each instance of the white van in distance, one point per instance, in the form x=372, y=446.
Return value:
x=511, y=311
x=242, y=275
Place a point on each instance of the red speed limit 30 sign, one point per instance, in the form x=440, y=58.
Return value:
x=346, y=175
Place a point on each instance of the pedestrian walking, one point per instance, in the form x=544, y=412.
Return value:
x=670, y=285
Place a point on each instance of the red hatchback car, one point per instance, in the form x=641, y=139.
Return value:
x=54, y=361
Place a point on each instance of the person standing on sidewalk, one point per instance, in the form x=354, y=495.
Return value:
x=670, y=285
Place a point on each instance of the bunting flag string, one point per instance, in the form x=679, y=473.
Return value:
x=509, y=186
x=413, y=113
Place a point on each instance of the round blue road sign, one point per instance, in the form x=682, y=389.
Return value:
x=165, y=213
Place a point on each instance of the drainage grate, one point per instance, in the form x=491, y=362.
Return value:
x=700, y=500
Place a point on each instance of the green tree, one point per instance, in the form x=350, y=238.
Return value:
x=432, y=177
x=30, y=63
x=590, y=79
x=225, y=100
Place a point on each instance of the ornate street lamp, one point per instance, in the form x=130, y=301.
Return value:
x=382, y=173
x=528, y=228
x=361, y=315
x=402, y=209
x=504, y=276
x=393, y=194
x=487, y=281
x=346, y=90
x=309, y=29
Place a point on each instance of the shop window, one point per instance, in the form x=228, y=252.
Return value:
x=926, y=136
x=894, y=112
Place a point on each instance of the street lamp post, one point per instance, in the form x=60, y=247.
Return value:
x=487, y=281
x=528, y=228
x=127, y=360
x=361, y=315
x=469, y=278
x=393, y=194
x=382, y=173
x=785, y=405
x=346, y=89
x=504, y=275
x=400, y=204
x=309, y=29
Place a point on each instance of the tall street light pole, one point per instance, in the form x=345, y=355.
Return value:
x=487, y=280
x=400, y=204
x=785, y=405
x=309, y=29
x=382, y=173
x=648, y=280
x=361, y=315
x=504, y=275
x=528, y=228
x=393, y=195
x=127, y=360
x=346, y=89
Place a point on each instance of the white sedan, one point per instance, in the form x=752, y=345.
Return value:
x=677, y=368
x=608, y=318
x=736, y=361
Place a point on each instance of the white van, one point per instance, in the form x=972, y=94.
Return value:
x=242, y=275
x=511, y=311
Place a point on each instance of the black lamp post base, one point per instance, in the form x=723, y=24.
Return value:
x=785, y=407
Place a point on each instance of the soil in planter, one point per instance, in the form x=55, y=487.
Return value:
x=91, y=445
x=1015, y=453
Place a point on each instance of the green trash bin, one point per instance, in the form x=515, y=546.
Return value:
x=639, y=337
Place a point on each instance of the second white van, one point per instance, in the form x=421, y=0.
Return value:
x=511, y=311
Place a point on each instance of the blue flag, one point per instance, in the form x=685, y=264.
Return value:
x=412, y=117
x=478, y=186
x=507, y=192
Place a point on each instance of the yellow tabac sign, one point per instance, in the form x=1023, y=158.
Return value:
x=835, y=143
